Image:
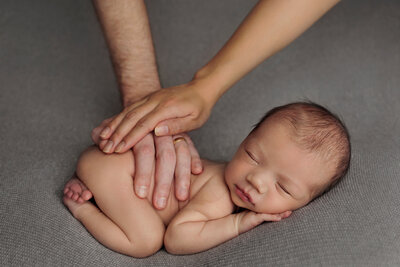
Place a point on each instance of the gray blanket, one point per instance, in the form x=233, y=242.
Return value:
x=57, y=83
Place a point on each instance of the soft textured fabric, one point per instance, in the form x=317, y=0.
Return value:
x=57, y=83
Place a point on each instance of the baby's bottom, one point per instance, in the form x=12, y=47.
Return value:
x=124, y=223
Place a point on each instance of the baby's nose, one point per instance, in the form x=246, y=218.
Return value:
x=258, y=182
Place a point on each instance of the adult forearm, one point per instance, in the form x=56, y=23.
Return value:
x=127, y=31
x=268, y=28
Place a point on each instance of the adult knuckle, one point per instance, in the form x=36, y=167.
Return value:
x=141, y=124
x=131, y=115
x=167, y=155
x=117, y=135
x=169, y=102
x=182, y=149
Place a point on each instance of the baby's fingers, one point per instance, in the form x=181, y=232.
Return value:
x=286, y=214
x=270, y=217
x=275, y=217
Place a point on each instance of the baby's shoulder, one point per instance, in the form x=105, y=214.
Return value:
x=211, y=170
x=213, y=192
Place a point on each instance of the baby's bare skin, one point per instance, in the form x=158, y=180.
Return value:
x=269, y=176
x=121, y=218
x=77, y=191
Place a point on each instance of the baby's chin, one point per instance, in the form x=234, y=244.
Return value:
x=239, y=203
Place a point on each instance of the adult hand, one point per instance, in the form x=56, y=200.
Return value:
x=172, y=157
x=169, y=111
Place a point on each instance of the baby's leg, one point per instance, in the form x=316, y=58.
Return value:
x=124, y=223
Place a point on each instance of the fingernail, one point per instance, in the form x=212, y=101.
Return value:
x=108, y=146
x=141, y=191
x=161, y=202
x=105, y=132
x=120, y=146
x=198, y=167
x=161, y=130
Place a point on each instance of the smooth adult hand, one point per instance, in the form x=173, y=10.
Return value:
x=167, y=156
x=169, y=111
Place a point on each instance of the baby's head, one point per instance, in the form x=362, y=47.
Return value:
x=294, y=154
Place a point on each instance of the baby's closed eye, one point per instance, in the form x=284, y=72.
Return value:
x=283, y=188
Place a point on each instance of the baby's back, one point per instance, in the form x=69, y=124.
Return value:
x=197, y=182
x=210, y=183
x=131, y=225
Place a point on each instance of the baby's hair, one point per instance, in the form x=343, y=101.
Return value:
x=316, y=129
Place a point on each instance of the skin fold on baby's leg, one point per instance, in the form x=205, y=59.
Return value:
x=123, y=222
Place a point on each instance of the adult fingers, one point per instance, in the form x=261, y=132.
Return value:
x=181, y=119
x=176, y=126
x=145, y=125
x=112, y=125
x=165, y=167
x=95, y=134
x=182, y=169
x=144, y=165
x=129, y=121
x=196, y=164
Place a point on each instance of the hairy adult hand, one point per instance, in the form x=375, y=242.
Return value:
x=168, y=158
x=169, y=111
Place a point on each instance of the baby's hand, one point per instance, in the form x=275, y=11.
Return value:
x=247, y=220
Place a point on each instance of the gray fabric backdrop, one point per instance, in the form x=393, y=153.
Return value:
x=57, y=83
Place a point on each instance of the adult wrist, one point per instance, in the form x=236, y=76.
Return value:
x=133, y=93
x=212, y=83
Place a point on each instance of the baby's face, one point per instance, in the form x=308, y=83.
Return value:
x=271, y=174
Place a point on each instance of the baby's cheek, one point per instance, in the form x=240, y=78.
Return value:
x=230, y=172
x=273, y=205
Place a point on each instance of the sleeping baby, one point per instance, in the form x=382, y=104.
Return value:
x=294, y=154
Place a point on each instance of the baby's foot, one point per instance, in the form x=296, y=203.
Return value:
x=73, y=206
x=77, y=191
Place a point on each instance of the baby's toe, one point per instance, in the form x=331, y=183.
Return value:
x=69, y=194
x=76, y=188
x=86, y=195
x=75, y=197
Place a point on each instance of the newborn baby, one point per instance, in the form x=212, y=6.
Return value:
x=293, y=155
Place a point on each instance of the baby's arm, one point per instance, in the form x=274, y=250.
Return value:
x=206, y=221
x=193, y=230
